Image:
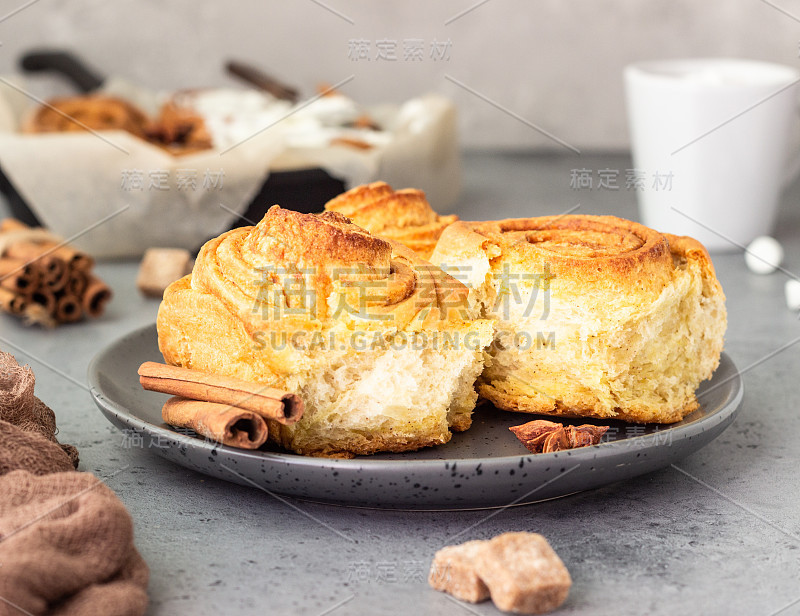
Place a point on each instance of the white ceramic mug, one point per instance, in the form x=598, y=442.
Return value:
x=710, y=139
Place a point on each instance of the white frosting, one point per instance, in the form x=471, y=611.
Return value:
x=332, y=110
x=232, y=116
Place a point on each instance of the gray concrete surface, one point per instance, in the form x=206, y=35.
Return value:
x=719, y=534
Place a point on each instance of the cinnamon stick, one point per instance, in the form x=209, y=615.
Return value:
x=12, y=302
x=18, y=276
x=261, y=80
x=75, y=259
x=45, y=298
x=226, y=424
x=12, y=224
x=77, y=283
x=32, y=251
x=96, y=296
x=19, y=305
x=52, y=267
x=57, y=275
x=72, y=257
x=49, y=281
x=281, y=406
x=68, y=309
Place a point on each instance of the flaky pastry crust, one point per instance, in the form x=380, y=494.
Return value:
x=595, y=316
x=258, y=295
x=401, y=215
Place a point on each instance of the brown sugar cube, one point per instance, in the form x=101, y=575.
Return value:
x=161, y=267
x=453, y=572
x=523, y=573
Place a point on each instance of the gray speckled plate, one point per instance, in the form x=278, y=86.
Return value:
x=485, y=466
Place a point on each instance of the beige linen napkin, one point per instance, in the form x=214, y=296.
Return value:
x=66, y=540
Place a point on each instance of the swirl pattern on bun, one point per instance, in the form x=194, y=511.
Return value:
x=595, y=316
x=404, y=215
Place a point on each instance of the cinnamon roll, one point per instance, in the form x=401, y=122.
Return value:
x=595, y=316
x=77, y=113
x=179, y=130
x=381, y=345
x=401, y=215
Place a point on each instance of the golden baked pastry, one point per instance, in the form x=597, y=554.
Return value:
x=93, y=111
x=378, y=343
x=179, y=130
x=404, y=216
x=595, y=316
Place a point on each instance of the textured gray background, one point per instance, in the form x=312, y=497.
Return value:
x=724, y=540
x=556, y=64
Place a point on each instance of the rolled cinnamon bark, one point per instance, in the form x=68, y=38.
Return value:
x=19, y=305
x=12, y=224
x=45, y=298
x=96, y=296
x=281, y=406
x=72, y=257
x=223, y=423
x=12, y=302
x=261, y=80
x=77, y=283
x=68, y=309
x=18, y=275
x=56, y=276
x=29, y=251
x=52, y=267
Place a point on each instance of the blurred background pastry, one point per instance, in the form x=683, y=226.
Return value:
x=244, y=148
x=180, y=130
x=230, y=116
x=77, y=113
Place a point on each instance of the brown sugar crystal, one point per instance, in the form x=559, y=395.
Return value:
x=519, y=571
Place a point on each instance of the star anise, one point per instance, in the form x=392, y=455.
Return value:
x=540, y=436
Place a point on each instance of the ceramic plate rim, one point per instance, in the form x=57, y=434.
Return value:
x=106, y=403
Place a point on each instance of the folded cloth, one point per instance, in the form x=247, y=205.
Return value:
x=67, y=547
x=19, y=407
x=30, y=451
x=66, y=540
